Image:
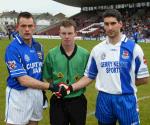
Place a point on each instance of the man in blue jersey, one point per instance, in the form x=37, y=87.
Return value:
x=24, y=59
x=118, y=65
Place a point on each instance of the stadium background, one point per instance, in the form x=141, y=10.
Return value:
x=136, y=13
x=136, y=18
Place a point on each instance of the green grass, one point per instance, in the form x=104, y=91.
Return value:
x=91, y=91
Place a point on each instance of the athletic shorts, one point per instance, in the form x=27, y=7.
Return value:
x=23, y=106
x=70, y=111
x=122, y=108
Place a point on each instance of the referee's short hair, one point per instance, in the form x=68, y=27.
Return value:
x=112, y=13
x=68, y=23
x=25, y=15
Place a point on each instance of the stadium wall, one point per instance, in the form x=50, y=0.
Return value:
x=52, y=37
x=81, y=38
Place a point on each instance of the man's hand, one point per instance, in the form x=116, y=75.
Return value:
x=53, y=87
x=45, y=100
x=64, y=89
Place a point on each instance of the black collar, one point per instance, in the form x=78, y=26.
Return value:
x=71, y=56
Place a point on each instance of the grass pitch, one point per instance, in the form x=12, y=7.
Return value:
x=143, y=91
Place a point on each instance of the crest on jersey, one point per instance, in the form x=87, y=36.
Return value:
x=11, y=64
x=60, y=75
x=103, y=56
x=77, y=77
x=125, y=54
x=26, y=58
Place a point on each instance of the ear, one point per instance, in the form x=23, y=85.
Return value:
x=75, y=33
x=121, y=24
x=59, y=33
x=17, y=27
x=34, y=26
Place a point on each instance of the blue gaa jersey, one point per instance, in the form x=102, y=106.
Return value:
x=23, y=60
x=115, y=67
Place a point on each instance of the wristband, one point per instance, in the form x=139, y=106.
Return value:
x=70, y=88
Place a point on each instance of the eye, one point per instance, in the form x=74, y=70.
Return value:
x=106, y=24
x=30, y=26
x=63, y=33
x=23, y=26
x=113, y=23
x=70, y=33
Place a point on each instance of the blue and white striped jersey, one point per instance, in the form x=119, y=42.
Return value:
x=115, y=67
x=23, y=60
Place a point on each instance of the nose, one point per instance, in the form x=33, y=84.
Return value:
x=26, y=28
x=109, y=27
x=66, y=35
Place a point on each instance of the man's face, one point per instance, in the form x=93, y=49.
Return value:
x=67, y=35
x=112, y=26
x=26, y=27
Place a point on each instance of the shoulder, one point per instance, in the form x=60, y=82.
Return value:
x=82, y=50
x=138, y=49
x=54, y=51
x=37, y=44
x=99, y=46
x=134, y=47
x=13, y=46
x=128, y=44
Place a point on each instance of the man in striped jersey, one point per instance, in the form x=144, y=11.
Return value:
x=24, y=59
x=118, y=65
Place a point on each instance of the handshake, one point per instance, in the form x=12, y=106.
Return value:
x=61, y=89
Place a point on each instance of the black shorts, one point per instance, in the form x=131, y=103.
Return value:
x=68, y=111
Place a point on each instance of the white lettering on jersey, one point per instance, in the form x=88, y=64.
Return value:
x=37, y=70
x=36, y=67
x=113, y=66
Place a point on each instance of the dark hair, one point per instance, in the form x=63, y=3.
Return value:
x=68, y=23
x=112, y=13
x=25, y=15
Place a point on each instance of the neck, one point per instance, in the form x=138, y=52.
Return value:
x=69, y=49
x=115, y=39
x=28, y=42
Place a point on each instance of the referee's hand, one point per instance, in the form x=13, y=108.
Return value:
x=64, y=90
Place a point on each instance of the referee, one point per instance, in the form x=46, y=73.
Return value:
x=66, y=63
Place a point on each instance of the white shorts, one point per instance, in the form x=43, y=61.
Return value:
x=23, y=106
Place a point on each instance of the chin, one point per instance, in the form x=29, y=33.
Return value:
x=27, y=38
x=111, y=36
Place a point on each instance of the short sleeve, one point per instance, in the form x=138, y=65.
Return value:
x=141, y=68
x=13, y=62
x=47, y=68
x=91, y=68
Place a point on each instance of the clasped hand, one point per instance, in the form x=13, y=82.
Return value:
x=61, y=89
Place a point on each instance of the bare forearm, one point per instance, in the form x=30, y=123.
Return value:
x=83, y=82
x=32, y=83
x=142, y=81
